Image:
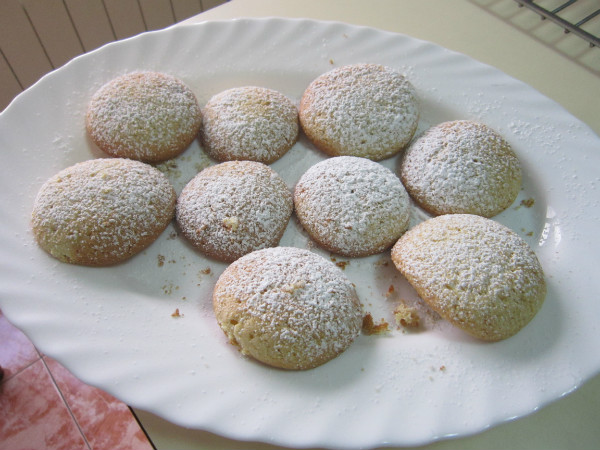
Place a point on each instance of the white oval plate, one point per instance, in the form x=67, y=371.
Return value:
x=113, y=327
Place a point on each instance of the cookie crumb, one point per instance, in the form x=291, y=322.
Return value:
x=369, y=327
x=406, y=316
x=528, y=203
x=231, y=223
x=176, y=314
x=169, y=168
x=169, y=288
x=342, y=264
x=527, y=233
x=384, y=262
x=161, y=260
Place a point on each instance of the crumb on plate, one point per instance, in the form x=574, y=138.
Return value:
x=369, y=327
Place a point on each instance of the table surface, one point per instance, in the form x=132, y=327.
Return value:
x=514, y=40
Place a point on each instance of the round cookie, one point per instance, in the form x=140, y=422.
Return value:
x=287, y=307
x=476, y=273
x=461, y=167
x=146, y=116
x=233, y=208
x=352, y=206
x=365, y=110
x=102, y=211
x=249, y=123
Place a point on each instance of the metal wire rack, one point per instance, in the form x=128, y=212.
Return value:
x=569, y=26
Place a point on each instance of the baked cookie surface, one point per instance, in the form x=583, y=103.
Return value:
x=287, y=307
x=146, y=116
x=352, y=206
x=476, y=273
x=102, y=211
x=365, y=110
x=233, y=208
x=461, y=167
x=249, y=123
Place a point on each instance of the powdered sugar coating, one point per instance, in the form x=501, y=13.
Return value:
x=147, y=116
x=352, y=206
x=461, y=167
x=365, y=110
x=102, y=211
x=249, y=123
x=233, y=208
x=287, y=307
x=478, y=274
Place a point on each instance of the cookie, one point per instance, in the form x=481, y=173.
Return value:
x=102, y=211
x=146, y=116
x=233, y=208
x=249, y=123
x=287, y=307
x=352, y=206
x=476, y=273
x=461, y=167
x=365, y=110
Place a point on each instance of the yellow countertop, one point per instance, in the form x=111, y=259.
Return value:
x=516, y=41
